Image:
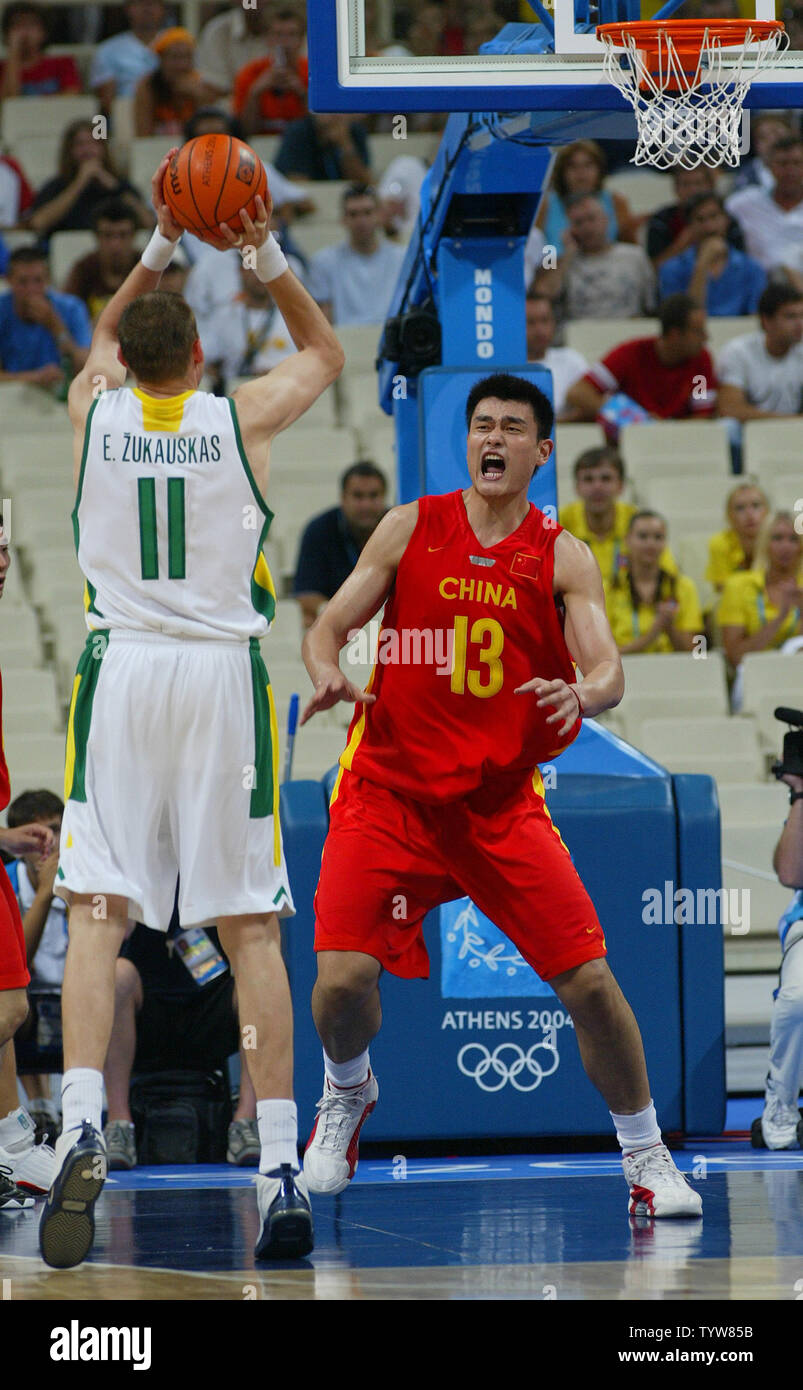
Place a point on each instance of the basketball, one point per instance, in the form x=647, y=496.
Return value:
x=211, y=180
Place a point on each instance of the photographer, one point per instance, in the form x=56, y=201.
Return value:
x=781, y=1126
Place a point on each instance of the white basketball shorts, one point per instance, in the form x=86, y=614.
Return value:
x=172, y=770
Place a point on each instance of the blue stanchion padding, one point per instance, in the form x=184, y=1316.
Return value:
x=702, y=970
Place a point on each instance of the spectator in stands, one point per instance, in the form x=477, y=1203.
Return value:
x=323, y=146
x=565, y=363
x=230, y=41
x=651, y=610
x=417, y=32
x=772, y=220
x=42, y=333
x=793, y=22
x=726, y=282
x=599, y=516
x=86, y=176
x=670, y=377
x=733, y=550
x=246, y=336
x=44, y=922
x=761, y=609
x=119, y=62
x=165, y=99
x=98, y=275
x=271, y=91
x=354, y=281
x=399, y=192
x=174, y=1009
x=766, y=129
x=16, y=194
x=27, y=70
x=580, y=168
x=761, y=374
x=597, y=278
x=331, y=543
x=668, y=233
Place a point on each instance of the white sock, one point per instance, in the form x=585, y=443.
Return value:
x=277, y=1121
x=346, y=1074
x=16, y=1131
x=81, y=1098
x=639, y=1131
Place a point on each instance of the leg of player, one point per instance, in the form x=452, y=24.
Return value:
x=98, y=925
x=13, y=1013
x=243, y=1148
x=613, y=1056
x=348, y=1015
x=30, y=1165
x=253, y=946
x=119, y=1129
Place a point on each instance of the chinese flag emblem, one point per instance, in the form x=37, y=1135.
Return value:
x=528, y=565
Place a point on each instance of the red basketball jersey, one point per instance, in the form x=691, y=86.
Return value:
x=5, y=788
x=463, y=627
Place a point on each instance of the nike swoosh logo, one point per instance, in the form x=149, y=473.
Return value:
x=430, y=548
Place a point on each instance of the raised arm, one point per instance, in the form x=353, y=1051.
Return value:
x=356, y=601
x=103, y=368
x=587, y=630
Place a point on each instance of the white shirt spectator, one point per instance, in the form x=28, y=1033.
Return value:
x=567, y=366
x=47, y=966
x=213, y=282
x=122, y=59
x=769, y=383
x=533, y=254
x=227, y=338
x=770, y=233
x=224, y=46
x=358, y=287
x=402, y=182
x=618, y=283
x=10, y=195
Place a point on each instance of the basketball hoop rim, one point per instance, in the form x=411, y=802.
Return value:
x=687, y=35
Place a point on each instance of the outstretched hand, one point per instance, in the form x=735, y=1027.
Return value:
x=562, y=697
x=34, y=838
x=168, y=226
x=330, y=690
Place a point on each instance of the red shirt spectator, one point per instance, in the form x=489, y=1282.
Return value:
x=270, y=92
x=28, y=71
x=276, y=108
x=671, y=376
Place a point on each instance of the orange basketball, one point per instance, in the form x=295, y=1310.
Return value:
x=211, y=180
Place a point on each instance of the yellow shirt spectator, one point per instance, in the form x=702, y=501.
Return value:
x=725, y=557
x=629, y=623
x=746, y=604
x=609, y=552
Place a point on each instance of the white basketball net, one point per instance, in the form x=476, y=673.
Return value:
x=688, y=126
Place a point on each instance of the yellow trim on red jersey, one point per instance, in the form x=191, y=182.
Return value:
x=347, y=756
x=538, y=788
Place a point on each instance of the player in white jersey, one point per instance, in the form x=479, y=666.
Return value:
x=171, y=765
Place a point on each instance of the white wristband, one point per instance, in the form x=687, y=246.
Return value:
x=159, y=252
x=270, y=261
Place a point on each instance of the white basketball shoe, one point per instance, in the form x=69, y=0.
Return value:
x=656, y=1186
x=332, y=1152
x=31, y=1166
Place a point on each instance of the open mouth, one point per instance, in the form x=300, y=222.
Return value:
x=493, y=466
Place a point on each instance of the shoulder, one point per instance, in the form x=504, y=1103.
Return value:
x=394, y=532
x=576, y=569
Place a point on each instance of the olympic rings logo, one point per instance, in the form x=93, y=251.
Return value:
x=523, y=1070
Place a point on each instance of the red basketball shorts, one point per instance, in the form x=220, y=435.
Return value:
x=13, y=967
x=389, y=859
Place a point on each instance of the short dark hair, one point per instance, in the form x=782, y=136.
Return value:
x=231, y=126
x=675, y=311
x=31, y=806
x=776, y=297
x=506, y=387
x=21, y=7
x=602, y=453
x=699, y=199
x=156, y=333
x=27, y=255
x=646, y=513
x=112, y=210
x=363, y=469
x=532, y=295
x=358, y=190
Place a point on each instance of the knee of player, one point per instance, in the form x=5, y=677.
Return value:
x=126, y=981
x=343, y=982
x=13, y=1013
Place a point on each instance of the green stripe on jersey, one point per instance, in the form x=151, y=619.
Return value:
x=148, y=549
x=176, y=536
x=262, y=790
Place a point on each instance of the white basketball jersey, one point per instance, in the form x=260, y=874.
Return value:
x=169, y=523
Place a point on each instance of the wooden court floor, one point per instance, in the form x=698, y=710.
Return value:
x=549, y=1227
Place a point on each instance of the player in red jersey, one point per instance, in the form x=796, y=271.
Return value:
x=439, y=793
x=20, y=1161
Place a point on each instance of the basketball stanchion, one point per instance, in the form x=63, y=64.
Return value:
x=292, y=724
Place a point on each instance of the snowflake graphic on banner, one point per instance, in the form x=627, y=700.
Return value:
x=479, y=962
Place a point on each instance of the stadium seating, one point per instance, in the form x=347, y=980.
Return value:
x=36, y=760
x=771, y=679
x=770, y=447
x=725, y=748
x=679, y=447
x=748, y=803
x=595, y=337
x=645, y=190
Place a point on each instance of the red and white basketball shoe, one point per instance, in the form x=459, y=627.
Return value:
x=332, y=1152
x=656, y=1186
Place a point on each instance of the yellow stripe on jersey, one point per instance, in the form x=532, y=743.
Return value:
x=347, y=756
x=69, y=759
x=274, y=749
x=336, y=787
x=162, y=413
x=538, y=788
